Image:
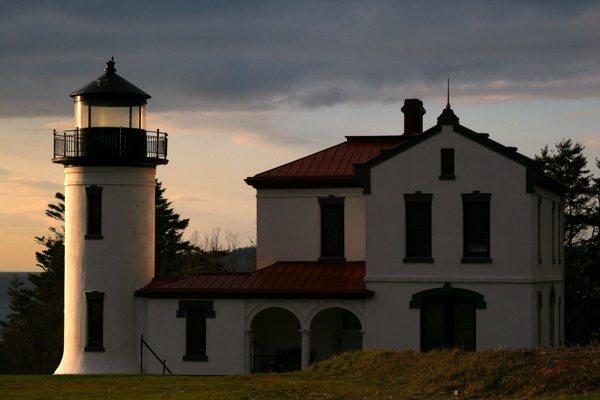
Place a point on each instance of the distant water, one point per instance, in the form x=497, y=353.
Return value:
x=5, y=278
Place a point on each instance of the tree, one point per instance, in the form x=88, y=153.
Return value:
x=567, y=163
x=174, y=256
x=31, y=338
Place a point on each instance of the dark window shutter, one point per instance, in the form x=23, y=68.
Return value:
x=94, y=210
x=332, y=227
x=95, y=321
x=196, y=331
x=447, y=162
x=476, y=225
x=418, y=229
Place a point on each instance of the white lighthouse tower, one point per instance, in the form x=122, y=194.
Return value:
x=110, y=164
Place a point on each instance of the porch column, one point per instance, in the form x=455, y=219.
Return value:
x=305, y=334
x=248, y=359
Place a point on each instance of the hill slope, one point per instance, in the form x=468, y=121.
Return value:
x=378, y=374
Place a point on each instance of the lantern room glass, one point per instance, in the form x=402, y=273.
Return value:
x=107, y=114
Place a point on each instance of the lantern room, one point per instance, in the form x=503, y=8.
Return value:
x=110, y=101
x=110, y=126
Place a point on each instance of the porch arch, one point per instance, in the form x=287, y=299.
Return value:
x=273, y=340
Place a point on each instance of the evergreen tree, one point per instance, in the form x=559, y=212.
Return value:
x=174, y=256
x=31, y=338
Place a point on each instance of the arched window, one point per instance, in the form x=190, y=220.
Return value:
x=448, y=317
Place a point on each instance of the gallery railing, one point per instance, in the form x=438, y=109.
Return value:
x=106, y=145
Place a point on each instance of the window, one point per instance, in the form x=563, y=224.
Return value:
x=195, y=313
x=539, y=318
x=552, y=235
x=551, y=303
x=476, y=227
x=559, y=239
x=539, y=229
x=94, y=212
x=332, y=227
x=95, y=321
x=447, y=164
x=418, y=227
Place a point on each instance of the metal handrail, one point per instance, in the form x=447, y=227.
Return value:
x=270, y=359
x=116, y=142
x=163, y=362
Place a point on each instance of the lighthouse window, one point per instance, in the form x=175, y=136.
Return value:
x=94, y=212
x=95, y=321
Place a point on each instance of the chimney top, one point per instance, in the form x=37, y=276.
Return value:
x=413, y=116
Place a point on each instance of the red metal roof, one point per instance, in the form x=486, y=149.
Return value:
x=329, y=167
x=298, y=279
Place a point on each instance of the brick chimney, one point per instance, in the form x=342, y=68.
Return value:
x=413, y=116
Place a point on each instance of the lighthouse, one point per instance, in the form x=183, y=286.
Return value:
x=110, y=161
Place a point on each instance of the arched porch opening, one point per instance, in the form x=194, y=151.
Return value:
x=275, y=336
x=448, y=317
x=332, y=331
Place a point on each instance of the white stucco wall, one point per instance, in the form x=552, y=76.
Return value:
x=165, y=333
x=226, y=333
x=289, y=224
x=117, y=265
x=476, y=168
x=506, y=321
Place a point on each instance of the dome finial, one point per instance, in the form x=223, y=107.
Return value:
x=110, y=66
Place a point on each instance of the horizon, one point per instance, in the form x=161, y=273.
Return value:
x=243, y=89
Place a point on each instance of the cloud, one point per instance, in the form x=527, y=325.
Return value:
x=3, y=173
x=272, y=55
x=33, y=183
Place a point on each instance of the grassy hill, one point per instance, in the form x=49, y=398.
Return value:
x=544, y=373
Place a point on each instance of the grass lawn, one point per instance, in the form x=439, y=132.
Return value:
x=566, y=373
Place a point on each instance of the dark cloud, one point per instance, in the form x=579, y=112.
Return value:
x=262, y=55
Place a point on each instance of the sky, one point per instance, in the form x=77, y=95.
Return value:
x=242, y=87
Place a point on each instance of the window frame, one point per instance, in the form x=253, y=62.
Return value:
x=93, y=229
x=183, y=312
x=324, y=203
x=92, y=298
x=469, y=199
x=447, y=159
x=411, y=199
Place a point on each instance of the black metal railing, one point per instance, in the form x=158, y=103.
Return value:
x=163, y=362
x=111, y=144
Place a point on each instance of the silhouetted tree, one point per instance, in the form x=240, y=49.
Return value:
x=31, y=337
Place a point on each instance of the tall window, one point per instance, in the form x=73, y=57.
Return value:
x=332, y=227
x=95, y=321
x=552, y=235
x=195, y=313
x=447, y=164
x=539, y=229
x=418, y=227
x=476, y=226
x=94, y=212
x=539, y=317
x=551, y=302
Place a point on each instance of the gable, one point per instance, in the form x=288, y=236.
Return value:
x=534, y=172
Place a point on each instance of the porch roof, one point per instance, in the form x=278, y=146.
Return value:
x=290, y=279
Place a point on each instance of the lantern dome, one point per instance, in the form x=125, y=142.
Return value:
x=110, y=85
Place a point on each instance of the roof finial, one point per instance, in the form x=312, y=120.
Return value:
x=448, y=94
x=110, y=65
